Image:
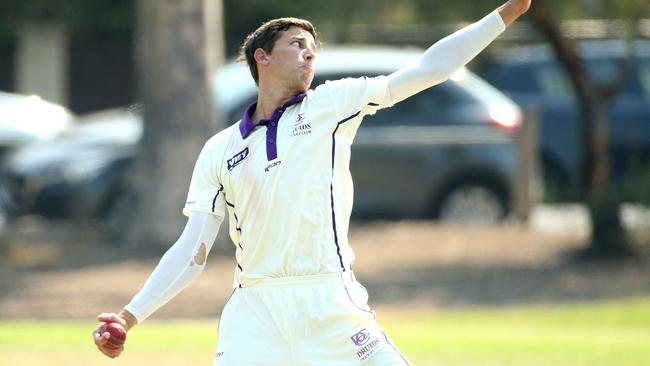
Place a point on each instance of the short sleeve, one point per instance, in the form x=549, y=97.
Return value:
x=206, y=192
x=358, y=96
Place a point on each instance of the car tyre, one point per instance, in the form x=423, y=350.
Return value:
x=472, y=204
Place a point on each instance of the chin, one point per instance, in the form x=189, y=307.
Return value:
x=303, y=87
x=307, y=85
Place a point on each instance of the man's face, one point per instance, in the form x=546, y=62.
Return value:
x=291, y=60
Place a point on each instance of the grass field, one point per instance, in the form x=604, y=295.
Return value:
x=606, y=333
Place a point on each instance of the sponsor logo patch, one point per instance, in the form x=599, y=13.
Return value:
x=237, y=159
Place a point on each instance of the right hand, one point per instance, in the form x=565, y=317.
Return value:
x=522, y=5
x=101, y=339
x=513, y=9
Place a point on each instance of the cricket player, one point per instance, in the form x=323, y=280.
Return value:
x=282, y=175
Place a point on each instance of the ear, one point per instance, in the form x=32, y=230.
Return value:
x=261, y=56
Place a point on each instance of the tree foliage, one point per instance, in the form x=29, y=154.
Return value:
x=241, y=17
x=115, y=17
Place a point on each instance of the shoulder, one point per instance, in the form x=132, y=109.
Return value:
x=217, y=145
x=331, y=85
x=363, y=95
x=222, y=137
x=359, y=82
x=331, y=89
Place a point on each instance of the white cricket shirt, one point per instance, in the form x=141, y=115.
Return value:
x=286, y=182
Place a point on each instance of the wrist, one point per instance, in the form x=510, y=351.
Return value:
x=129, y=319
x=512, y=10
x=518, y=7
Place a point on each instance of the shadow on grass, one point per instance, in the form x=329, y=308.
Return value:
x=460, y=285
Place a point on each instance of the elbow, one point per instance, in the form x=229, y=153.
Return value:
x=200, y=255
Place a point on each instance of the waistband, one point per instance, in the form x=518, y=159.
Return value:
x=323, y=278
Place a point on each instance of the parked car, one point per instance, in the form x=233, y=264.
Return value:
x=447, y=152
x=532, y=76
x=26, y=118
x=76, y=174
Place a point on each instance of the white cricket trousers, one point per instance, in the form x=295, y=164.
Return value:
x=303, y=321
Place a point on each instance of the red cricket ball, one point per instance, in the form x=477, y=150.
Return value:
x=118, y=334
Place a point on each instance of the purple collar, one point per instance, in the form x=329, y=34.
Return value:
x=246, y=126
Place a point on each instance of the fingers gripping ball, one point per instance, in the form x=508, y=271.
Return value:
x=117, y=332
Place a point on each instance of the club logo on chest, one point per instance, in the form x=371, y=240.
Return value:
x=301, y=127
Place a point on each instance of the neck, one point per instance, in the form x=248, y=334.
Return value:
x=269, y=99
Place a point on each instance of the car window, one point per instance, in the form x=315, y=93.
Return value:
x=552, y=81
x=236, y=113
x=605, y=71
x=511, y=78
x=417, y=110
x=545, y=78
x=431, y=106
x=644, y=77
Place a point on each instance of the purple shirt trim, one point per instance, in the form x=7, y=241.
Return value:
x=214, y=201
x=336, y=236
x=246, y=126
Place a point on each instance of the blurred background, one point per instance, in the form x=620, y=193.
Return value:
x=524, y=241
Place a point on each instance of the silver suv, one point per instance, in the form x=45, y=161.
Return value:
x=447, y=152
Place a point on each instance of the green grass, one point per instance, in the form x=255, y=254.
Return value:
x=612, y=333
x=578, y=334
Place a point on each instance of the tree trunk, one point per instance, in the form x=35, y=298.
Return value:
x=178, y=45
x=607, y=236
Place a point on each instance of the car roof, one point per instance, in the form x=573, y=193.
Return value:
x=233, y=81
x=115, y=125
x=610, y=48
x=27, y=117
x=350, y=59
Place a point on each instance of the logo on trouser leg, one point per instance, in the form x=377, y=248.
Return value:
x=361, y=338
x=368, y=347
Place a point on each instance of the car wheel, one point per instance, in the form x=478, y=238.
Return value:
x=472, y=204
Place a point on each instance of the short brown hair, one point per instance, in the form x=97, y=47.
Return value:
x=266, y=35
